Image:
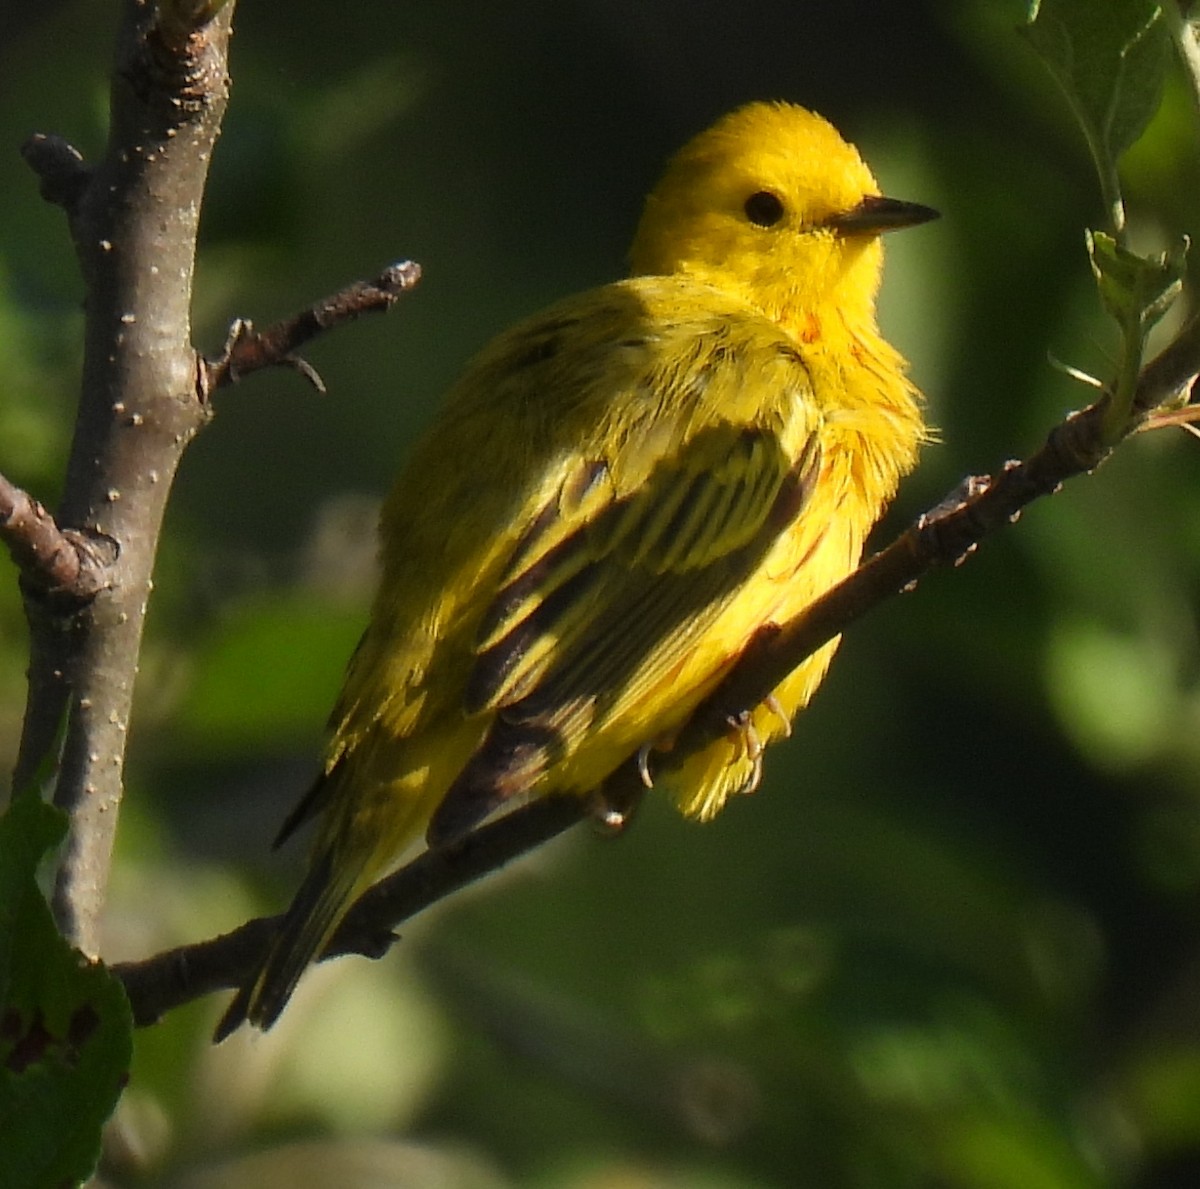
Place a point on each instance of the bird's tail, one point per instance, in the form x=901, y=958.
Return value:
x=317, y=909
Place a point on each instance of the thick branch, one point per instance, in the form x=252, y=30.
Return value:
x=87, y=572
x=133, y=219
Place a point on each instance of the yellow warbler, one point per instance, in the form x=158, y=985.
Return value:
x=615, y=496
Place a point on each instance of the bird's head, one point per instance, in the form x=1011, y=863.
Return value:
x=771, y=203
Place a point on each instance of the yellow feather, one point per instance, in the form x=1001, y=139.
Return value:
x=615, y=496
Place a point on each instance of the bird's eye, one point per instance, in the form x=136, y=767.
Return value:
x=764, y=208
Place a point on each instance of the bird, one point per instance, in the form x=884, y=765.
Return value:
x=616, y=496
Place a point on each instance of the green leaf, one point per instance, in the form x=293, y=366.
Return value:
x=1110, y=57
x=1136, y=290
x=65, y=1026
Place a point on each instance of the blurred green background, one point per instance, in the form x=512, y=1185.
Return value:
x=953, y=940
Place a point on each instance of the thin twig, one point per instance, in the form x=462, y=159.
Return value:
x=247, y=350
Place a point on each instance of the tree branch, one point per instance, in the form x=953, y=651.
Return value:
x=133, y=219
x=945, y=536
x=63, y=565
x=60, y=167
x=86, y=573
x=158, y=984
x=247, y=350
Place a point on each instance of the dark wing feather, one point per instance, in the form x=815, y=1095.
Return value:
x=599, y=603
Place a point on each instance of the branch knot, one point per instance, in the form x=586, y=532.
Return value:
x=61, y=172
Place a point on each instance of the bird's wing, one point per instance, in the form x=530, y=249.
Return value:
x=601, y=584
x=607, y=593
x=604, y=479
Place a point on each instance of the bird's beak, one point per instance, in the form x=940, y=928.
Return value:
x=876, y=214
